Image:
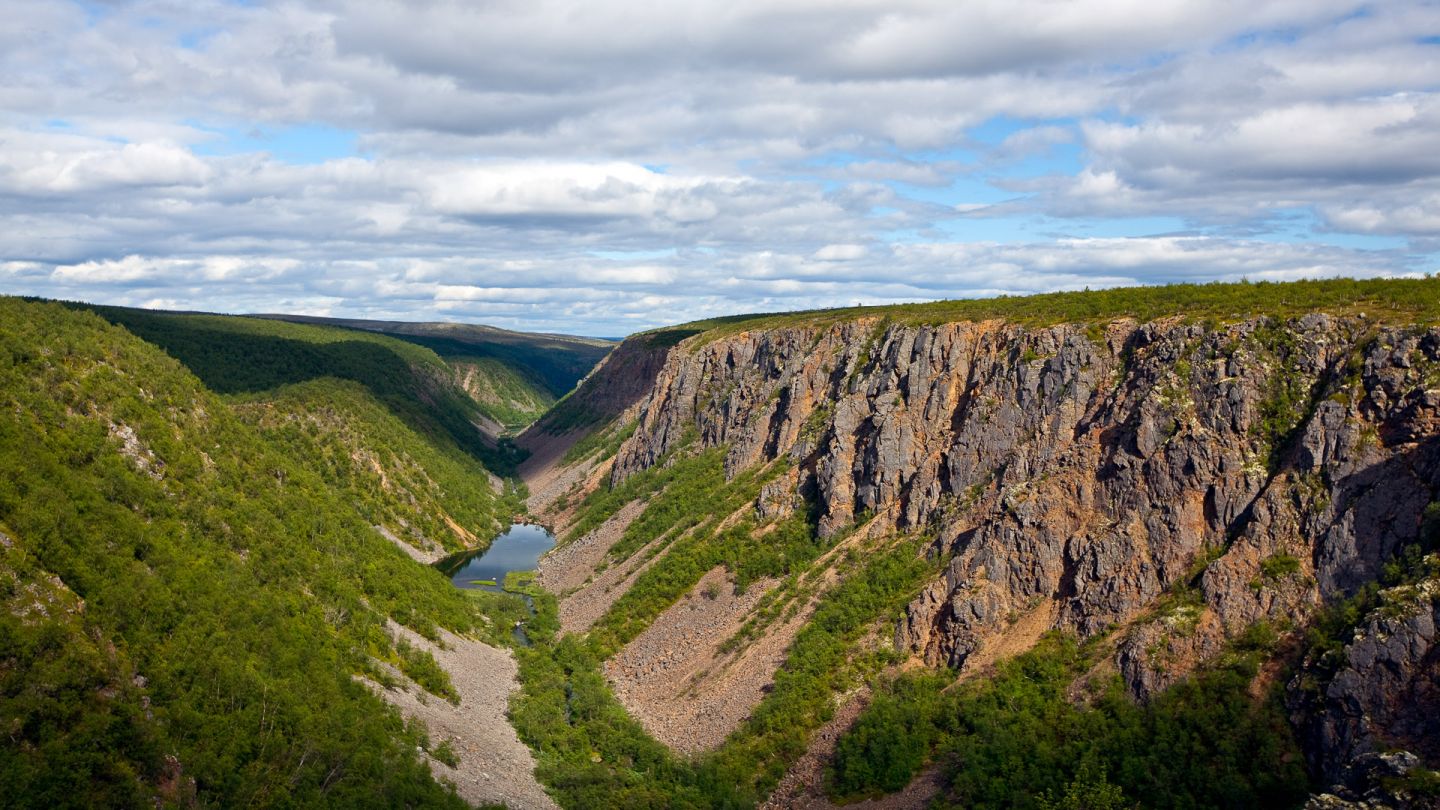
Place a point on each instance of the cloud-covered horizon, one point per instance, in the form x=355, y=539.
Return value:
x=600, y=168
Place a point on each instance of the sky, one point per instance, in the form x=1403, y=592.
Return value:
x=608, y=166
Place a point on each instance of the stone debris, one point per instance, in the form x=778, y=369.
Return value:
x=494, y=766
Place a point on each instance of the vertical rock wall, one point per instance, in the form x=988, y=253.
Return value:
x=1260, y=467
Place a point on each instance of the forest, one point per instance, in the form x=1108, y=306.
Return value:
x=194, y=585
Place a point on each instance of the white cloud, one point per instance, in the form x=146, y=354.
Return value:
x=30, y=164
x=603, y=166
x=1413, y=213
x=617, y=297
x=840, y=253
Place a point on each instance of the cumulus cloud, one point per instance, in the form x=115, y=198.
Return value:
x=30, y=164
x=604, y=167
x=618, y=297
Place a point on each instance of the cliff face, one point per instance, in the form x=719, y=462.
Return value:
x=1380, y=693
x=1250, y=470
x=624, y=377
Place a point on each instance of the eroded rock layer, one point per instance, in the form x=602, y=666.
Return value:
x=1249, y=470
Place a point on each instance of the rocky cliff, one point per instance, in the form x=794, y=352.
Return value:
x=1369, y=712
x=1181, y=479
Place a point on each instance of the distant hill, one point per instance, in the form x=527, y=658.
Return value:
x=513, y=376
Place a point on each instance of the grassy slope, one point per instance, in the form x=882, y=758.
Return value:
x=242, y=587
x=1386, y=300
x=523, y=373
x=238, y=355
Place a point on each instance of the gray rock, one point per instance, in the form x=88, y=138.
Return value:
x=1269, y=467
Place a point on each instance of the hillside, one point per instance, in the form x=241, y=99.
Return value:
x=1119, y=543
x=213, y=598
x=239, y=589
x=238, y=355
x=514, y=377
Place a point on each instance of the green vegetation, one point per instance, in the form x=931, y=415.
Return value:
x=1018, y=740
x=1420, y=783
x=603, y=441
x=1382, y=300
x=1279, y=566
x=398, y=478
x=551, y=363
x=697, y=474
x=1333, y=627
x=887, y=746
x=501, y=612
x=237, y=355
x=195, y=574
x=446, y=754
x=1289, y=400
x=687, y=498
x=420, y=666
x=572, y=412
x=513, y=376
x=522, y=582
x=589, y=750
x=70, y=700
x=242, y=589
x=508, y=395
x=594, y=755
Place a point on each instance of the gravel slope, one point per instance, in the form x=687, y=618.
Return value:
x=495, y=767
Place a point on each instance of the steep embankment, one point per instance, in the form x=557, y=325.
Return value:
x=244, y=355
x=429, y=496
x=514, y=377
x=579, y=433
x=1185, y=464
x=1090, y=466
x=198, y=601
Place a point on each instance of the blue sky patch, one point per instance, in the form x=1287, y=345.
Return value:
x=300, y=145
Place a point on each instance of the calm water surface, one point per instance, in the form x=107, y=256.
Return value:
x=518, y=549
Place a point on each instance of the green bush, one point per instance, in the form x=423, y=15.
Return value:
x=446, y=754
x=420, y=666
x=1018, y=740
x=1279, y=566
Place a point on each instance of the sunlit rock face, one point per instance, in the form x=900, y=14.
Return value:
x=1250, y=470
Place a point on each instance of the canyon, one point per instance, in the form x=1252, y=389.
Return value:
x=1171, y=484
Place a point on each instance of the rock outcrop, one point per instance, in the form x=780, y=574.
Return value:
x=1260, y=467
x=1377, y=782
x=1182, y=481
x=1380, y=694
